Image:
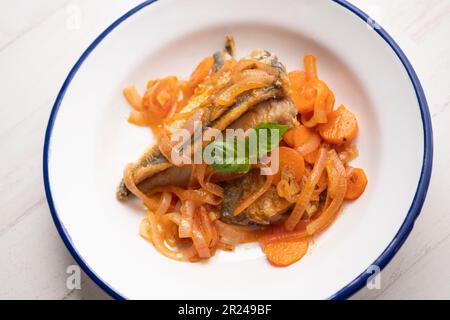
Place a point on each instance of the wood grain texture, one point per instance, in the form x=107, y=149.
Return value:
x=40, y=42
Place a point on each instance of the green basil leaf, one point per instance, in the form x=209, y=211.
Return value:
x=226, y=158
x=266, y=140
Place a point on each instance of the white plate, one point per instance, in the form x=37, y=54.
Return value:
x=88, y=143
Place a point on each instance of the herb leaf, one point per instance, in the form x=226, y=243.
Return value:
x=264, y=133
x=225, y=156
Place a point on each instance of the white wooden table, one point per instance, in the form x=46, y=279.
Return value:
x=39, y=43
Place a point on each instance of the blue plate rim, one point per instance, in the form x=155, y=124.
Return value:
x=360, y=280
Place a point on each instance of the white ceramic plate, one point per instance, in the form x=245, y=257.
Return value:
x=88, y=143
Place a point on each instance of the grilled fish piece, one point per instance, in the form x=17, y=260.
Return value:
x=153, y=161
x=266, y=210
x=280, y=111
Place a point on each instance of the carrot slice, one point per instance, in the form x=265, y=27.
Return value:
x=294, y=160
x=341, y=127
x=289, y=137
x=297, y=136
x=298, y=81
x=356, y=183
x=284, y=253
x=303, y=139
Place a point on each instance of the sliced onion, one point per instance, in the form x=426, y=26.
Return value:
x=190, y=253
x=158, y=242
x=207, y=227
x=228, y=97
x=198, y=238
x=310, y=146
x=308, y=189
x=133, y=97
x=228, y=234
x=177, y=206
x=321, y=186
x=187, y=219
x=144, y=230
x=234, y=235
x=198, y=196
x=175, y=217
x=138, y=118
x=279, y=232
x=330, y=212
x=131, y=185
x=349, y=153
x=335, y=170
x=320, y=106
x=208, y=186
x=225, y=246
x=166, y=200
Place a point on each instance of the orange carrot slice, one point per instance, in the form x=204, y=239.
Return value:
x=298, y=81
x=356, y=183
x=284, y=253
x=341, y=127
x=303, y=139
x=297, y=136
x=294, y=160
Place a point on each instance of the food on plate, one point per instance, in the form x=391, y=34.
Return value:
x=245, y=152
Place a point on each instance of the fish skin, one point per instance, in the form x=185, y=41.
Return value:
x=152, y=161
x=282, y=111
x=266, y=210
x=173, y=176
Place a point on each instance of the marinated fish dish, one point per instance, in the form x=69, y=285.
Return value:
x=246, y=152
